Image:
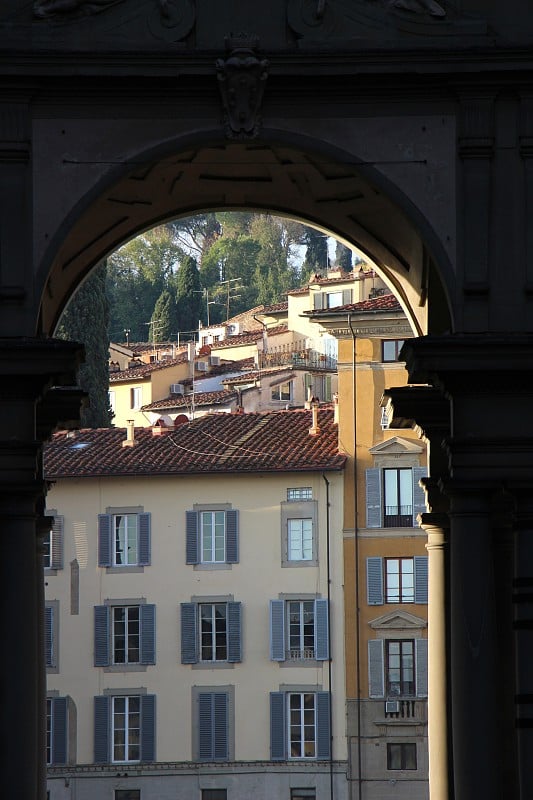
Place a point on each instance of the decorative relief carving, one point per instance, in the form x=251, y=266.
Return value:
x=241, y=78
x=56, y=8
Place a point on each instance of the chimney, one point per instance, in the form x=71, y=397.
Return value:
x=314, y=429
x=129, y=441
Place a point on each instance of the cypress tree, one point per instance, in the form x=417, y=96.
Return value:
x=343, y=257
x=188, y=295
x=163, y=322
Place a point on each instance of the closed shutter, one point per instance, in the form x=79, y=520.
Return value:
x=57, y=543
x=419, y=497
x=220, y=716
x=145, y=525
x=191, y=538
x=232, y=537
x=234, y=632
x=421, y=579
x=49, y=636
x=373, y=498
x=101, y=729
x=148, y=727
x=189, y=635
x=147, y=613
x=376, y=668
x=346, y=296
x=104, y=540
x=318, y=300
x=323, y=727
x=321, y=630
x=277, y=630
x=101, y=636
x=374, y=581
x=59, y=730
x=213, y=734
x=421, y=662
x=277, y=726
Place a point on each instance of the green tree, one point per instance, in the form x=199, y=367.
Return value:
x=316, y=252
x=164, y=318
x=188, y=295
x=343, y=257
x=86, y=320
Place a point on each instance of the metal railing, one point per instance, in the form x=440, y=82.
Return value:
x=307, y=358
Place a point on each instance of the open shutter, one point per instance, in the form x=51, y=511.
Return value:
x=346, y=296
x=277, y=630
x=373, y=498
x=323, y=727
x=205, y=726
x=419, y=497
x=101, y=636
x=318, y=300
x=189, y=635
x=374, y=581
x=421, y=662
x=148, y=727
x=234, y=632
x=321, y=630
x=376, y=668
x=59, y=730
x=191, y=537
x=277, y=726
x=101, y=729
x=145, y=526
x=57, y=543
x=421, y=579
x=49, y=635
x=220, y=727
x=147, y=612
x=232, y=536
x=104, y=540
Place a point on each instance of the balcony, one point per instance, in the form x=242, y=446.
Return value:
x=300, y=655
x=398, y=517
x=401, y=709
x=306, y=359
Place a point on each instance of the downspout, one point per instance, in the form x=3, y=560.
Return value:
x=356, y=566
x=328, y=567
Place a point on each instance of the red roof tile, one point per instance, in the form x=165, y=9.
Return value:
x=248, y=337
x=385, y=302
x=145, y=370
x=222, y=397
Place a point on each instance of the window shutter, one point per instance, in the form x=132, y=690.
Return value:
x=145, y=526
x=373, y=498
x=101, y=636
x=277, y=726
x=148, y=727
x=232, y=537
x=205, y=726
x=189, y=634
x=421, y=662
x=346, y=296
x=277, y=630
x=323, y=727
x=220, y=729
x=59, y=730
x=147, y=613
x=57, y=543
x=191, y=536
x=421, y=579
x=374, y=581
x=376, y=668
x=104, y=540
x=213, y=726
x=419, y=497
x=49, y=635
x=234, y=632
x=318, y=300
x=101, y=729
x=321, y=630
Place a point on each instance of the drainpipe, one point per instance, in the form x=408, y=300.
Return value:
x=330, y=659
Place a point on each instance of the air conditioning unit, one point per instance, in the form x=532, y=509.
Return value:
x=214, y=361
x=234, y=328
x=201, y=366
x=177, y=388
x=392, y=706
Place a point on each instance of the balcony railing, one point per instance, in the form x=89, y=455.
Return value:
x=403, y=709
x=300, y=655
x=398, y=517
x=307, y=358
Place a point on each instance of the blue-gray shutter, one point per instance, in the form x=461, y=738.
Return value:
x=220, y=726
x=49, y=636
x=419, y=497
x=205, y=726
x=421, y=665
x=234, y=632
x=148, y=727
x=318, y=300
x=376, y=668
x=101, y=729
x=189, y=633
x=145, y=525
x=101, y=636
x=346, y=296
x=421, y=579
x=147, y=613
x=57, y=543
x=323, y=727
x=105, y=545
x=321, y=630
x=277, y=726
x=213, y=730
x=192, y=544
x=59, y=730
x=373, y=498
x=232, y=536
x=374, y=581
x=277, y=630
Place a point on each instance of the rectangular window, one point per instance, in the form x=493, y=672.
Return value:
x=391, y=349
x=47, y=549
x=300, y=629
x=127, y=794
x=301, y=719
x=49, y=731
x=213, y=537
x=213, y=740
x=126, y=634
x=303, y=794
x=400, y=580
x=400, y=667
x=135, y=397
x=282, y=392
x=213, y=631
x=300, y=539
x=111, y=396
x=401, y=755
x=214, y=794
x=299, y=493
x=398, y=497
x=334, y=299
x=126, y=729
x=126, y=536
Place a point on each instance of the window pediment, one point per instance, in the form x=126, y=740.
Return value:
x=396, y=621
x=397, y=446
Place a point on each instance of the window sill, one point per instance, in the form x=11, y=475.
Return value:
x=125, y=569
x=125, y=668
x=213, y=665
x=303, y=662
x=50, y=571
x=209, y=567
x=312, y=562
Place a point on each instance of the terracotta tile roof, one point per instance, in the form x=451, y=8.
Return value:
x=145, y=370
x=386, y=302
x=248, y=337
x=221, y=397
x=276, y=441
x=275, y=308
x=256, y=375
